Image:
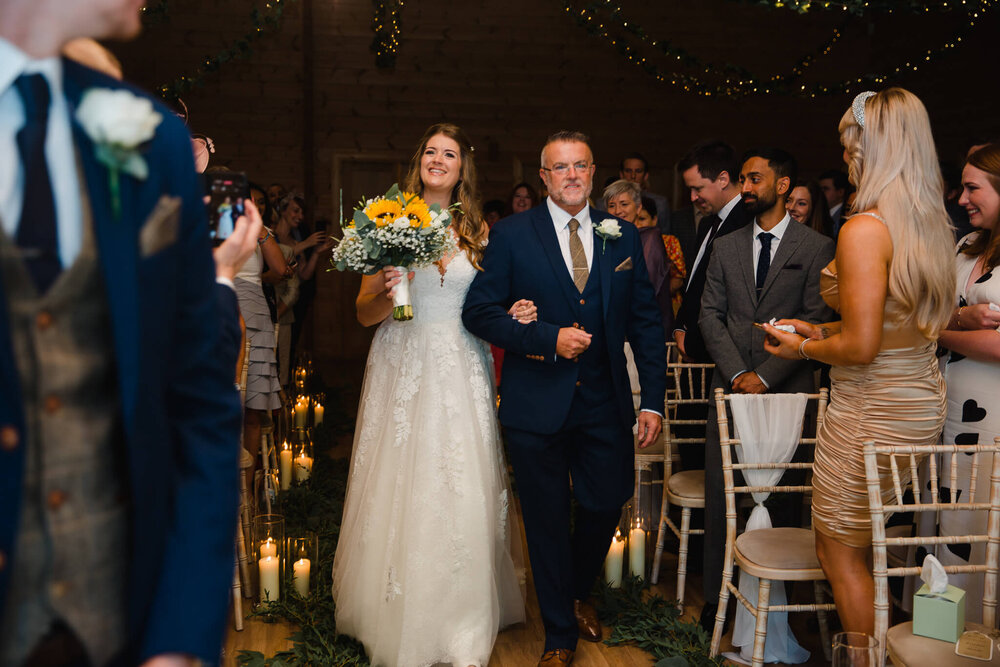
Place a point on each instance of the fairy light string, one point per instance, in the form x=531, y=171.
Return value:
x=385, y=25
x=685, y=70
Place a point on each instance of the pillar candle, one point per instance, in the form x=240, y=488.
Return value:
x=300, y=576
x=285, y=464
x=268, y=548
x=318, y=414
x=613, y=563
x=301, y=411
x=268, y=578
x=637, y=552
x=303, y=467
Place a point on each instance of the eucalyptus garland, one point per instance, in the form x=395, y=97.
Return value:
x=858, y=7
x=683, y=69
x=263, y=21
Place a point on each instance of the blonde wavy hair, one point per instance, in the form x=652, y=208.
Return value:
x=469, y=224
x=893, y=163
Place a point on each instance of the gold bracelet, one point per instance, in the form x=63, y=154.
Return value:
x=802, y=349
x=958, y=317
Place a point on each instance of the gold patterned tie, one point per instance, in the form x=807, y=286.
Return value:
x=580, y=270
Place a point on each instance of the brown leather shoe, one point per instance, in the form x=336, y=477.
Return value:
x=586, y=618
x=559, y=657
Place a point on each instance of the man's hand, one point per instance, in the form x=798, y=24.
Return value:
x=649, y=426
x=679, y=339
x=236, y=250
x=572, y=342
x=749, y=383
x=171, y=659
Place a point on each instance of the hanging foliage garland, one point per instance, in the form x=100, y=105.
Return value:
x=858, y=7
x=263, y=21
x=606, y=19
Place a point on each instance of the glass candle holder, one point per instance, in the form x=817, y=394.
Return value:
x=266, y=488
x=303, y=553
x=269, y=555
x=285, y=456
x=302, y=462
x=300, y=412
x=637, y=542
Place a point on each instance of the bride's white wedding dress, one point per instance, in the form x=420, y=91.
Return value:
x=423, y=572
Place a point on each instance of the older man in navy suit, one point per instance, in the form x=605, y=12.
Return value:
x=566, y=405
x=119, y=422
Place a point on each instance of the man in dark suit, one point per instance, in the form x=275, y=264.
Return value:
x=566, y=405
x=767, y=269
x=119, y=423
x=710, y=173
x=836, y=187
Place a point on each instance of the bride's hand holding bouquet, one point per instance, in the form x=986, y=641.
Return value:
x=390, y=232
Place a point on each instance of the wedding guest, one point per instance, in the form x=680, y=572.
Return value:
x=684, y=224
x=423, y=572
x=893, y=283
x=493, y=210
x=806, y=206
x=635, y=168
x=973, y=368
x=784, y=260
x=116, y=358
x=678, y=272
x=275, y=193
x=711, y=174
x=624, y=199
x=835, y=186
x=308, y=250
x=952, y=176
x=522, y=198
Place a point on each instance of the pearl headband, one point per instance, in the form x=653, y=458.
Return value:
x=858, y=106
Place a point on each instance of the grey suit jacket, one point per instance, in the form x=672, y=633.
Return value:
x=730, y=304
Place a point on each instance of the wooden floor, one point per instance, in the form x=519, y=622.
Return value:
x=521, y=645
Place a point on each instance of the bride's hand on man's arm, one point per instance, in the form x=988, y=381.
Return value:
x=524, y=311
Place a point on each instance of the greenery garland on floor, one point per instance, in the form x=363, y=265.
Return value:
x=645, y=620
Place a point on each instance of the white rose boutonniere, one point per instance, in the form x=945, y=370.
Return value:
x=609, y=229
x=118, y=122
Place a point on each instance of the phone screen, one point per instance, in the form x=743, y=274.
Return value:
x=226, y=190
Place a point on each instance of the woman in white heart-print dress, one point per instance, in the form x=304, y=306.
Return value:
x=973, y=365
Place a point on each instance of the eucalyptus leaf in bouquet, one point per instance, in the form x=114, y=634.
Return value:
x=396, y=229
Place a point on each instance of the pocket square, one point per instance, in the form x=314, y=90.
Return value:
x=161, y=227
x=625, y=265
x=793, y=267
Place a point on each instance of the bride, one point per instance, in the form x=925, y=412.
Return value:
x=423, y=572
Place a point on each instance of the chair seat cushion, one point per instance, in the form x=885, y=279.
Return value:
x=687, y=488
x=779, y=553
x=905, y=648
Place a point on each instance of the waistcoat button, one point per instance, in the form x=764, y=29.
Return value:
x=9, y=438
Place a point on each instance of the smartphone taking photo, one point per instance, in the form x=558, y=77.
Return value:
x=227, y=190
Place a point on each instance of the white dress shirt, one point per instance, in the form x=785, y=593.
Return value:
x=560, y=220
x=777, y=231
x=59, y=151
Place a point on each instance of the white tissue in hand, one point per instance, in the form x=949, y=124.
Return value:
x=995, y=307
x=933, y=574
x=782, y=327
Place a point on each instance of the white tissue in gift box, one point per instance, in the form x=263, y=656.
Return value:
x=939, y=615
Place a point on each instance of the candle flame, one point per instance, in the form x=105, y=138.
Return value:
x=618, y=535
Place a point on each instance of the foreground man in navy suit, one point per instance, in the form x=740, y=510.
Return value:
x=119, y=422
x=566, y=405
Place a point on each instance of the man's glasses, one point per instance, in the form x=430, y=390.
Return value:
x=563, y=169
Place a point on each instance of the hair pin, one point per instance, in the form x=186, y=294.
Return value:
x=858, y=106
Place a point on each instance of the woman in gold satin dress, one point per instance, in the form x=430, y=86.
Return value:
x=893, y=283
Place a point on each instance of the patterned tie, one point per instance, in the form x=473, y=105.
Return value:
x=764, y=260
x=36, y=230
x=580, y=270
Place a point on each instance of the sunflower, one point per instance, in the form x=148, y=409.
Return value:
x=383, y=211
x=416, y=210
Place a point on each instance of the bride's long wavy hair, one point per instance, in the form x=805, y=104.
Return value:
x=893, y=163
x=468, y=223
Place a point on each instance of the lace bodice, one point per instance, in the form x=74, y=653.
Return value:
x=436, y=298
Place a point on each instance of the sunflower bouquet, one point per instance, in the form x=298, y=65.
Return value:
x=397, y=229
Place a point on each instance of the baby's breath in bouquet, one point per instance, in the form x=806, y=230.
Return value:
x=397, y=229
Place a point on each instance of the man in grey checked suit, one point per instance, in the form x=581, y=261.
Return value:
x=770, y=268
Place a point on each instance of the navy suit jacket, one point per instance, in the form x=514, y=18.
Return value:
x=523, y=261
x=173, y=330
